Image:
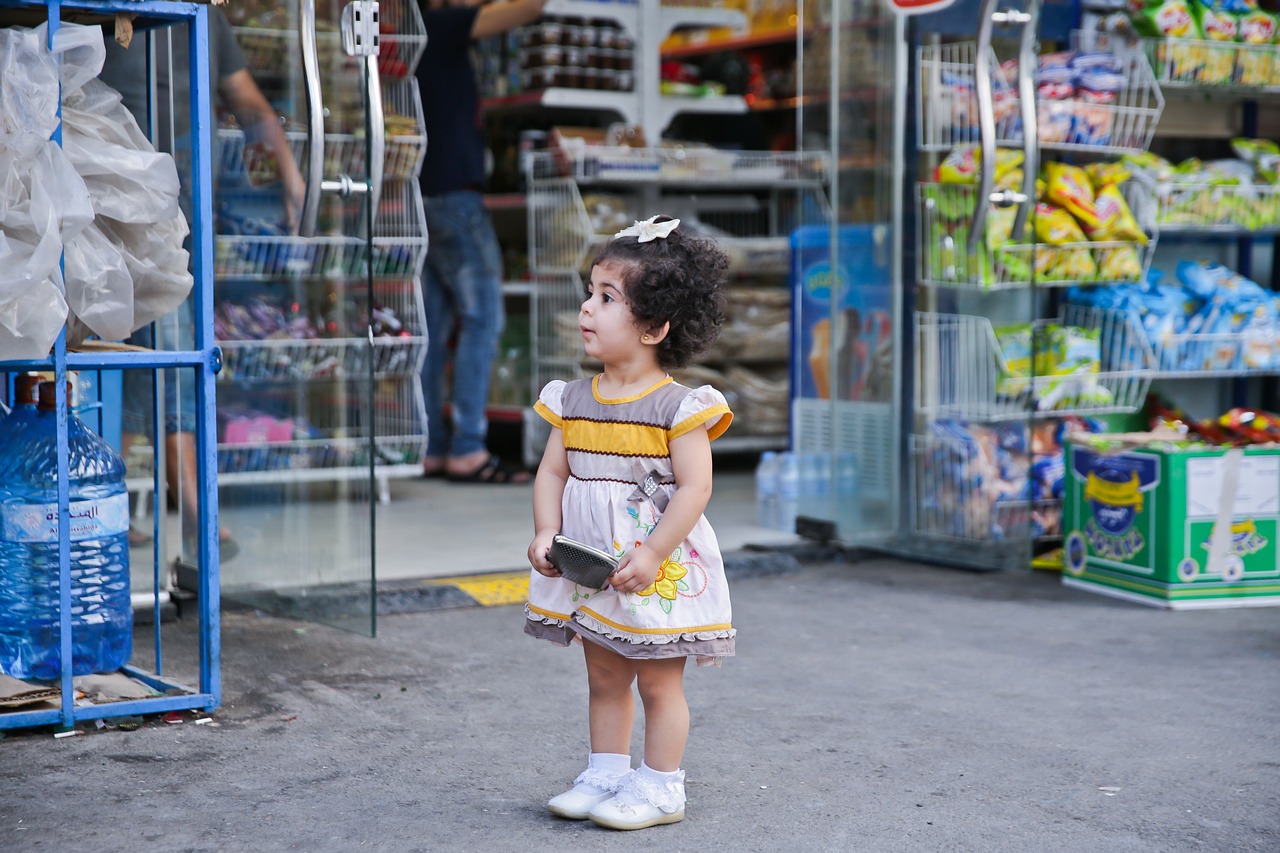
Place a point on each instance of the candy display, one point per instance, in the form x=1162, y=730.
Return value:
x=1057, y=364
x=1212, y=319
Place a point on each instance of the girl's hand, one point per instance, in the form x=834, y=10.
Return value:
x=637, y=570
x=538, y=549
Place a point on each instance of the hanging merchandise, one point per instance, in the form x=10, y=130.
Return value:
x=97, y=519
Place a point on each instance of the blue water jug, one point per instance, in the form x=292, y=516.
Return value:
x=101, y=610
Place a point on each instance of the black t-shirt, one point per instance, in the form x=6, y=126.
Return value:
x=450, y=104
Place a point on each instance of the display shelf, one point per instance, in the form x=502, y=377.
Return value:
x=1213, y=66
x=679, y=166
x=1231, y=210
x=943, y=258
x=963, y=372
x=402, y=40
x=946, y=107
x=69, y=706
x=317, y=358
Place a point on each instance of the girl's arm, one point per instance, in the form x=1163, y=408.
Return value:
x=691, y=462
x=548, y=494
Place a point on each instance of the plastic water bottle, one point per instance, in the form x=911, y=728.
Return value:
x=848, y=501
x=788, y=491
x=767, y=489
x=101, y=611
x=815, y=485
x=23, y=412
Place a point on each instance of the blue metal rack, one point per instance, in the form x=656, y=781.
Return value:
x=204, y=358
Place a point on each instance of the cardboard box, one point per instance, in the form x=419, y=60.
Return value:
x=1180, y=529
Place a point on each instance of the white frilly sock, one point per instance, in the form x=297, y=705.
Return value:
x=650, y=781
x=604, y=771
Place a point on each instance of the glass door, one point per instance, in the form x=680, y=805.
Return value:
x=319, y=240
x=846, y=309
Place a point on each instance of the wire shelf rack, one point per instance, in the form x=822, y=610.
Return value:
x=953, y=500
x=964, y=373
x=1214, y=65
x=947, y=112
x=1222, y=355
x=1214, y=207
x=403, y=38
x=679, y=166
x=399, y=246
x=275, y=360
x=943, y=258
x=245, y=163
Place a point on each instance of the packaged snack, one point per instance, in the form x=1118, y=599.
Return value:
x=1114, y=219
x=1256, y=65
x=1119, y=264
x=963, y=164
x=1055, y=119
x=1070, y=187
x=1017, y=358
x=1073, y=265
x=1164, y=19
x=1104, y=174
x=1055, y=225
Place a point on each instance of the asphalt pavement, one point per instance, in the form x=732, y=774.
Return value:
x=874, y=705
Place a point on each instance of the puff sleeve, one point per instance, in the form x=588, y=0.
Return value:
x=702, y=406
x=550, y=403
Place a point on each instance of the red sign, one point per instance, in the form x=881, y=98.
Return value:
x=918, y=7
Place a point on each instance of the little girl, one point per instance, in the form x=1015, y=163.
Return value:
x=627, y=469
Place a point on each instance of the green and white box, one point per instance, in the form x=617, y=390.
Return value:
x=1180, y=529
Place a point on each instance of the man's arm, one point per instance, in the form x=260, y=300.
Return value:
x=498, y=17
x=257, y=118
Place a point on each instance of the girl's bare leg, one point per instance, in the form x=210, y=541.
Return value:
x=612, y=708
x=666, y=713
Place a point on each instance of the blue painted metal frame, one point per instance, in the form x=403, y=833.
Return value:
x=205, y=358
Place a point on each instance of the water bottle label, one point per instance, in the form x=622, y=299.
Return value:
x=92, y=519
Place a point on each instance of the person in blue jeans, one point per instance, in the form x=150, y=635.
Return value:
x=462, y=282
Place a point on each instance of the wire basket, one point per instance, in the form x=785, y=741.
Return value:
x=1201, y=64
x=1214, y=207
x=680, y=165
x=943, y=258
x=964, y=371
x=319, y=358
x=947, y=111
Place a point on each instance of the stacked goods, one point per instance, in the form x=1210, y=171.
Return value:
x=995, y=482
x=1057, y=365
x=1083, y=227
x=1243, y=192
x=1211, y=319
x=1210, y=42
x=1184, y=516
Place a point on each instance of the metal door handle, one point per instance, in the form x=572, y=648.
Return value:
x=315, y=119
x=986, y=124
x=1028, y=61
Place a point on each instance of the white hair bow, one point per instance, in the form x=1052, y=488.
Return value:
x=649, y=229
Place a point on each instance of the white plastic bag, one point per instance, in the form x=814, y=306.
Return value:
x=28, y=90
x=99, y=286
x=158, y=263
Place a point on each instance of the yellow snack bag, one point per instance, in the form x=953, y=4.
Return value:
x=1120, y=264
x=1074, y=265
x=1070, y=187
x=1055, y=225
x=1115, y=220
x=1105, y=174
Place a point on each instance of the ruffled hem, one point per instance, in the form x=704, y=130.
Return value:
x=668, y=796
x=593, y=624
x=707, y=652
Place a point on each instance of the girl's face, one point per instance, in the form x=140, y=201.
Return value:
x=609, y=331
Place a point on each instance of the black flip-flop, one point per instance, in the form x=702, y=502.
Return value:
x=495, y=471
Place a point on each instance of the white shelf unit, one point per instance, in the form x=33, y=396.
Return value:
x=648, y=24
x=748, y=201
x=323, y=342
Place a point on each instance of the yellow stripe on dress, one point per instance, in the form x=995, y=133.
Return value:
x=548, y=415
x=714, y=431
x=597, y=437
x=631, y=629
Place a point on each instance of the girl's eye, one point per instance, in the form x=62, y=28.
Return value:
x=606, y=298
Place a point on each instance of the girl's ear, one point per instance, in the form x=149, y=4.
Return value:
x=656, y=335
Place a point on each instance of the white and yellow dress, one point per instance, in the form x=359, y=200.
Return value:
x=613, y=446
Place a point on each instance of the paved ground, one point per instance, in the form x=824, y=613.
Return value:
x=873, y=706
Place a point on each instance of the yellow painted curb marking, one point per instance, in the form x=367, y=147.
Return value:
x=491, y=590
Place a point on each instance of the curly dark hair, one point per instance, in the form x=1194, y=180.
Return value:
x=678, y=279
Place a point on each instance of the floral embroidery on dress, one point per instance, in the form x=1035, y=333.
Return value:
x=667, y=585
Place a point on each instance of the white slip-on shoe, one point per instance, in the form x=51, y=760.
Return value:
x=658, y=804
x=590, y=789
